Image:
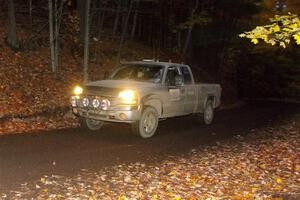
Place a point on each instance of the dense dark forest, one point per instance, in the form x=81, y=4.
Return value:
x=202, y=33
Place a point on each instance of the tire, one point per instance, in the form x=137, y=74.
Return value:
x=147, y=125
x=208, y=113
x=90, y=124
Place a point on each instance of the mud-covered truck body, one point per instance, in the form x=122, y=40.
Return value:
x=142, y=93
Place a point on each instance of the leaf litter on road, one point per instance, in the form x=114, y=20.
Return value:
x=263, y=164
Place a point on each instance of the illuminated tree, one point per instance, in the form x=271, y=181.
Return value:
x=283, y=30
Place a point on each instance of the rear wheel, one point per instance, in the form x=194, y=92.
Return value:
x=208, y=114
x=147, y=125
x=90, y=124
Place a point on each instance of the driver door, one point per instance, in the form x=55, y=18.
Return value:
x=175, y=94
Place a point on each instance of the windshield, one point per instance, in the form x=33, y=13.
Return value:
x=144, y=73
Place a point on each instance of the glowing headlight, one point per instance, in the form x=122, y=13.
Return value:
x=128, y=97
x=105, y=104
x=78, y=90
x=74, y=101
x=96, y=103
x=85, y=102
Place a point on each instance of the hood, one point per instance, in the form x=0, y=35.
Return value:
x=112, y=87
x=122, y=84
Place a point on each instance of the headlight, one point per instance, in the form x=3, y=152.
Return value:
x=85, y=102
x=78, y=90
x=128, y=97
x=96, y=103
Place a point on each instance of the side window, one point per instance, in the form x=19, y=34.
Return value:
x=187, y=78
x=171, y=76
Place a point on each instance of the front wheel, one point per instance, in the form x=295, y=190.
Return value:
x=147, y=125
x=90, y=124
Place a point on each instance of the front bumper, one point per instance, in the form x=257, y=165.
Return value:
x=127, y=114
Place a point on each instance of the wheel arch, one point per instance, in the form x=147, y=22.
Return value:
x=154, y=102
x=210, y=97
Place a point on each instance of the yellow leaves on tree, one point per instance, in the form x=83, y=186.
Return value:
x=276, y=28
x=297, y=38
x=254, y=40
x=282, y=30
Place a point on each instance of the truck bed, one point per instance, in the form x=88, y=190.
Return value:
x=205, y=91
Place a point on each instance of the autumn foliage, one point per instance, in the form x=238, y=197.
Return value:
x=283, y=30
x=30, y=91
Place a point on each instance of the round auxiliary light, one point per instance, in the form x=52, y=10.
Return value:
x=105, y=103
x=96, y=103
x=85, y=102
x=122, y=116
x=74, y=101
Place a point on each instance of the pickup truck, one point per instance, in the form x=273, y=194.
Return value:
x=142, y=93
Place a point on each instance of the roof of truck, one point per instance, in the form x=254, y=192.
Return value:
x=152, y=62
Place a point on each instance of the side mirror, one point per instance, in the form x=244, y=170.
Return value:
x=178, y=80
x=105, y=75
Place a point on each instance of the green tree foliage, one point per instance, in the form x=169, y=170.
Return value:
x=199, y=19
x=283, y=30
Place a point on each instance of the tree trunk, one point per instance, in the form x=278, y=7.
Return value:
x=151, y=32
x=116, y=23
x=55, y=11
x=86, y=43
x=100, y=20
x=99, y=13
x=30, y=14
x=124, y=18
x=81, y=5
x=179, y=40
x=56, y=33
x=124, y=31
x=12, y=39
x=140, y=28
x=134, y=20
x=189, y=33
x=53, y=66
x=101, y=24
